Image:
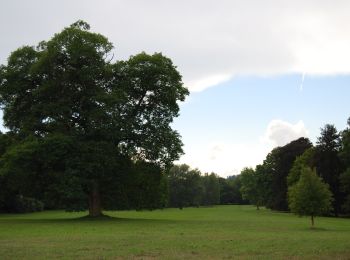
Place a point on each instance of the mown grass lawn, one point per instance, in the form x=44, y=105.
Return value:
x=208, y=233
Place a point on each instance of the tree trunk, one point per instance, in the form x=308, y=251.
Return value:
x=95, y=209
x=257, y=206
x=312, y=221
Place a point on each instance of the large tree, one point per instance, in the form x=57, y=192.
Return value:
x=109, y=111
x=277, y=165
x=328, y=163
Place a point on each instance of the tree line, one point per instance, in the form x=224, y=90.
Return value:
x=190, y=188
x=293, y=176
x=300, y=177
x=30, y=181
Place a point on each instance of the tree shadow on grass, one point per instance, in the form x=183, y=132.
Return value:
x=317, y=229
x=84, y=219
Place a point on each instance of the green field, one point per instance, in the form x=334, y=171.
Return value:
x=208, y=233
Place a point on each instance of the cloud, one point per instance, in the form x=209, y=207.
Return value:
x=209, y=41
x=202, y=84
x=226, y=158
x=279, y=133
x=215, y=151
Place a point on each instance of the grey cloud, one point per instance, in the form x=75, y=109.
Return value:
x=206, y=39
x=279, y=133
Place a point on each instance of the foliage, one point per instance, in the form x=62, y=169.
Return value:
x=230, y=190
x=344, y=155
x=302, y=161
x=328, y=164
x=6, y=140
x=47, y=169
x=310, y=195
x=147, y=188
x=345, y=187
x=277, y=166
x=185, y=186
x=250, y=189
x=345, y=146
x=189, y=187
x=211, y=193
x=35, y=168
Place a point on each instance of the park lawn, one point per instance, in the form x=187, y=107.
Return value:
x=239, y=232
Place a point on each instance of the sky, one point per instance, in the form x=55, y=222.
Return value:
x=260, y=73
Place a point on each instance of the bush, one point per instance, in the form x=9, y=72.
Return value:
x=26, y=204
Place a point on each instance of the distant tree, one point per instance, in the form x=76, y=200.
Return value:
x=345, y=176
x=345, y=146
x=250, y=188
x=230, y=190
x=146, y=187
x=236, y=185
x=194, y=187
x=185, y=186
x=328, y=163
x=110, y=111
x=263, y=182
x=225, y=191
x=211, y=193
x=310, y=195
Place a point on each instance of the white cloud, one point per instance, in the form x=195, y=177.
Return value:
x=216, y=151
x=279, y=133
x=200, y=85
x=209, y=41
x=227, y=158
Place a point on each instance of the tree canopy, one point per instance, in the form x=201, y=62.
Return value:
x=251, y=189
x=328, y=163
x=276, y=167
x=345, y=158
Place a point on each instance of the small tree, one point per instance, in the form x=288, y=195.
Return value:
x=310, y=195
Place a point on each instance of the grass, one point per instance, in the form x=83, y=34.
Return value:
x=239, y=232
